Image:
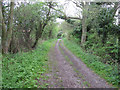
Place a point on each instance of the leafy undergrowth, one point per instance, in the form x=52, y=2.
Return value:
x=23, y=69
x=108, y=72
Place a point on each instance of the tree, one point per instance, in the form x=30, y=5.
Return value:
x=42, y=24
x=84, y=7
x=50, y=30
x=84, y=22
x=6, y=34
x=30, y=21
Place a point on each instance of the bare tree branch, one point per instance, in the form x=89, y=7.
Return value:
x=74, y=18
x=80, y=6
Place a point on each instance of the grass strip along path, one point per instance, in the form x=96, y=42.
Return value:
x=24, y=69
x=106, y=71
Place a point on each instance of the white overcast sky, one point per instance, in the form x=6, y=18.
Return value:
x=69, y=9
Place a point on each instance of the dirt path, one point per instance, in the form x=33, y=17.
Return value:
x=69, y=72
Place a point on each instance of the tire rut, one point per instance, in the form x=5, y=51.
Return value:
x=67, y=77
x=68, y=71
x=93, y=79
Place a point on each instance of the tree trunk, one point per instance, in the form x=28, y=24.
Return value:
x=28, y=40
x=119, y=49
x=3, y=30
x=41, y=27
x=6, y=34
x=38, y=34
x=10, y=26
x=14, y=44
x=50, y=34
x=118, y=61
x=36, y=41
x=84, y=24
x=84, y=31
x=104, y=38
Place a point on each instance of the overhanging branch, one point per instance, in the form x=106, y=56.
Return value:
x=74, y=18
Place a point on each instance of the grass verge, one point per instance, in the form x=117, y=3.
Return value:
x=22, y=70
x=106, y=71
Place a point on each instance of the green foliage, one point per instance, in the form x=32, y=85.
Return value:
x=109, y=51
x=23, y=69
x=50, y=31
x=29, y=15
x=77, y=32
x=106, y=71
x=102, y=33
